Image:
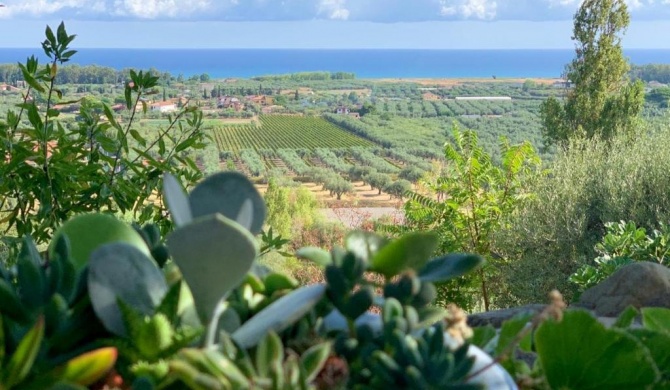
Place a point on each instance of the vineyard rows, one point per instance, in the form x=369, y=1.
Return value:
x=288, y=132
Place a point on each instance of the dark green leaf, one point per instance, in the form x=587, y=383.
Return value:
x=449, y=267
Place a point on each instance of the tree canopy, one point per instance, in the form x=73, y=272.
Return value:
x=603, y=101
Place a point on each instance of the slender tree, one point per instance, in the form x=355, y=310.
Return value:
x=603, y=101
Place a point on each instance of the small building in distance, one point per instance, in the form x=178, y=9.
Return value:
x=226, y=102
x=263, y=100
x=163, y=106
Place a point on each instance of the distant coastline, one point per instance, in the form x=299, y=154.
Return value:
x=366, y=64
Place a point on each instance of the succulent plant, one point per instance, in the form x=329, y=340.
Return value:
x=44, y=317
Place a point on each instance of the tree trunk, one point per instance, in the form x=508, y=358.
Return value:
x=485, y=292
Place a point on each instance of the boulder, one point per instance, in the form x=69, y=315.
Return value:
x=641, y=284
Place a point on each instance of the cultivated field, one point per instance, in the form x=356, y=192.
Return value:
x=293, y=132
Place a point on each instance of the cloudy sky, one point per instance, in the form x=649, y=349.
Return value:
x=319, y=23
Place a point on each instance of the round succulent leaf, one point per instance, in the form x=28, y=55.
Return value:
x=656, y=318
x=214, y=254
x=176, y=200
x=121, y=271
x=449, y=267
x=412, y=250
x=86, y=232
x=364, y=244
x=318, y=256
x=580, y=353
x=232, y=195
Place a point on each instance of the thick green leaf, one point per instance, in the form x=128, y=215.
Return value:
x=313, y=359
x=449, y=267
x=318, y=256
x=21, y=362
x=121, y=271
x=510, y=330
x=364, y=244
x=482, y=335
x=580, y=353
x=658, y=344
x=227, y=193
x=626, y=317
x=280, y=314
x=656, y=318
x=87, y=368
x=214, y=255
x=177, y=201
x=269, y=354
x=412, y=250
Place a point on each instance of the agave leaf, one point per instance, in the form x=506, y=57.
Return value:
x=87, y=368
x=121, y=271
x=449, y=267
x=229, y=194
x=21, y=362
x=176, y=200
x=214, y=254
x=280, y=314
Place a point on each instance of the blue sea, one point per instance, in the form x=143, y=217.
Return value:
x=222, y=63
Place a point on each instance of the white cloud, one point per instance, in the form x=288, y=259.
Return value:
x=151, y=9
x=352, y=10
x=469, y=9
x=333, y=9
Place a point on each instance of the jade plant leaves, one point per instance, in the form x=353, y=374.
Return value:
x=449, y=267
x=318, y=256
x=214, y=255
x=580, y=353
x=232, y=195
x=121, y=271
x=280, y=314
x=409, y=251
x=364, y=244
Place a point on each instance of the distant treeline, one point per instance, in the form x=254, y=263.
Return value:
x=651, y=72
x=78, y=74
x=307, y=76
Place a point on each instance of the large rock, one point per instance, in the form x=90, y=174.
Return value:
x=640, y=284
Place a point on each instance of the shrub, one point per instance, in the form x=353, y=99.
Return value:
x=591, y=183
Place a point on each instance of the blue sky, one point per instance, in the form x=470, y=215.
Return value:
x=458, y=24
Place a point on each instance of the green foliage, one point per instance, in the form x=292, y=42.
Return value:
x=603, y=102
x=382, y=354
x=290, y=210
x=45, y=320
x=555, y=233
x=574, y=350
x=102, y=163
x=622, y=244
x=583, y=360
x=480, y=193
